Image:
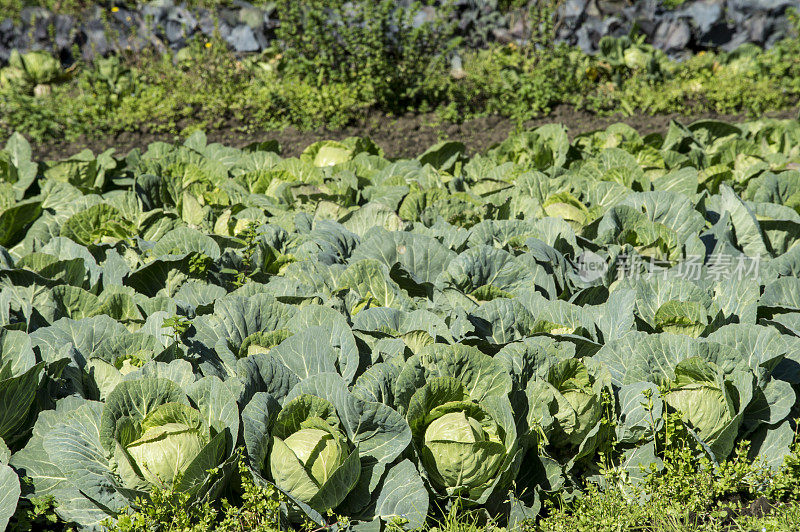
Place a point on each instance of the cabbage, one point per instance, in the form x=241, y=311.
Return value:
x=705, y=401
x=462, y=451
x=570, y=399
x=304, y=461
x=311, y=457
x=172, y=436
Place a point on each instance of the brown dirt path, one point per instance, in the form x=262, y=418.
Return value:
x=404, y=136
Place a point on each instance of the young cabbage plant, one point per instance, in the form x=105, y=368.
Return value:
x=119, y=356
x=722, y=386
x=26, y=72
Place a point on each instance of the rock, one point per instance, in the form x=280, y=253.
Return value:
x=135, y=43
x=64, y=26
x=242, y=39
x=173, y=31
x=566, y=35
x=642, y=16
x=590, y=33
x=179, y=25
x=426, y=14
x=207, y=24
x=261, y=39
x=182, y=16
x=645, y=27
x=125, y=17
x=6, y=28
x=614, y=26
x=252, y=16
x=757, y=28
x=154, y=13
x=703, y=14
x=780, y=30
x=750, y=6
x=738, y=39
x=219, y=25
x=96, y=43
x=502, y=35
x=28, y=15
x=672, y=35
x=642, y=9
x=611, y=7
x=592, y=11
x=584, y=41
x=573, y=8
x=271, y=23
x=40, y=29
x=178, y=45
x=723, y=24
x=230, y=16
x=518, y=29
x=22, y=42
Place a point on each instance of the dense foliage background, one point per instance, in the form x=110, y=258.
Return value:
x=373, y=343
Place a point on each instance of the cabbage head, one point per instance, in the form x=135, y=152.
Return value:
x=24, y=71
x=708, y=402
x=152, y=432
x=466, y=448
x=462, y=446
x=636, y=58
x=158, y=438
x=568, y=404
x=262, y=342
x=456, y=402
x=331, y=152
x=311, y=457
x=167, y=441
x=325, y=447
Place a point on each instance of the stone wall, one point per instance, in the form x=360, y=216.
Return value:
x=696, y=25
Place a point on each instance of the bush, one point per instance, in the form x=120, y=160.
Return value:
x=383, y=50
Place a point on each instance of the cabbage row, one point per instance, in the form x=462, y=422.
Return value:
x=378, y=338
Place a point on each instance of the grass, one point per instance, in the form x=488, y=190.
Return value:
x=689, y=494
x=364, y=71
x=266, y=92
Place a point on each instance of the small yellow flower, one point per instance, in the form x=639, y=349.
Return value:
x=208, y=45
x=114, y=9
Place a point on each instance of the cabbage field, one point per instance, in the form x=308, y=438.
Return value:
x=380, y=338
